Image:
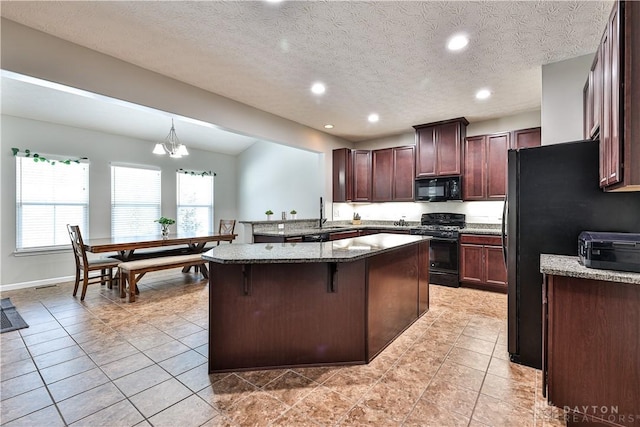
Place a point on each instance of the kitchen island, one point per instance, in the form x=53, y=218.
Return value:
x=274, y=305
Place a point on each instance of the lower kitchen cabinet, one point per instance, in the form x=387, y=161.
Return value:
x=482, y=263
x=591, y=343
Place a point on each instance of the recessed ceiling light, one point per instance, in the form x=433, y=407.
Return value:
x=318, y=88
x=483, y=94
x=328, y=126
x=457, y=42
x=373, y=117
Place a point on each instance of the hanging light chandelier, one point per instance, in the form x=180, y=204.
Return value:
x=171, y=145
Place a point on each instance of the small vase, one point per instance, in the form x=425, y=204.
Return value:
x=294, y=216
x=268, y=217
x=165, y=231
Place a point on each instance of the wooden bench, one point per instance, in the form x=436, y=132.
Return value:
x=132, y=271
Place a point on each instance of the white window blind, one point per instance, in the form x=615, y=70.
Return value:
x=195, y=203
x=135, y=201
x=48, y=197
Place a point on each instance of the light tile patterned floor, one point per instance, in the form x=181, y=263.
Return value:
x=106, y=362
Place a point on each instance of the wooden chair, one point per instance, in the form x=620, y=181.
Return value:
x=226, y=226
x=104, y=265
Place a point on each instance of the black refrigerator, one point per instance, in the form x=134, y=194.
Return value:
x=553, y=195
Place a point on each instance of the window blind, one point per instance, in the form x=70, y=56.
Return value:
x=135, y=201
x=48, y=197
x=195, y=203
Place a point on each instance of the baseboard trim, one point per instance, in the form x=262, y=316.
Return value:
x=36, y=283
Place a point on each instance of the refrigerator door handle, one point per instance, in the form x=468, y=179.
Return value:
x=503, y=234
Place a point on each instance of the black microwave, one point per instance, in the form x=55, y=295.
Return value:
x=438, y=189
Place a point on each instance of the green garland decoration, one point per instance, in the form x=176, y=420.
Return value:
x=39, y=158
x=193, y=173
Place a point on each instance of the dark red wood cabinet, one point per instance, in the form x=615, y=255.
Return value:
x=382, y=169
x=524, y=138
x=342, y=175
x=485, y=167
x=481, y=262
x=612, y=99
x=361, y=175
x=404, y=161
x=591, y=343
x=439, y=148
x=384, y=175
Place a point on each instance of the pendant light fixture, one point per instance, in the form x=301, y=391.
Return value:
x=171, y=145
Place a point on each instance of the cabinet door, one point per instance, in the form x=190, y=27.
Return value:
x=471, y=263
x=613, y=168
x=597, y=95
x=426, y=152
x=497, y=146
x=605, y=124
x=342, y=175
x=495, y=270
x=524, y=138
x=474, y=179
x=361, y=175
x=404, y=161
x=448, y=147
x=382, y=173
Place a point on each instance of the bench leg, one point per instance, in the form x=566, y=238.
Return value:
x=122, y=283
x=132, y=286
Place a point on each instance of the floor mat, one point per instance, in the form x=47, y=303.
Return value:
x=9, y=316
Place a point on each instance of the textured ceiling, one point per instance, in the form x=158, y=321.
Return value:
x=383, y=57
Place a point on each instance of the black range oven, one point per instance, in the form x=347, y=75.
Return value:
x=443, y=252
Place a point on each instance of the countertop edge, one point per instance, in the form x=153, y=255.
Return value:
x=569, y=266
x=305, y=260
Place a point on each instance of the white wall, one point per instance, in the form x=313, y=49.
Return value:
x=562, y=86
x=280, y=178
x=100, y=148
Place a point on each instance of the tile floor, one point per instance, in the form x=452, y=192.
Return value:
x=106, y=362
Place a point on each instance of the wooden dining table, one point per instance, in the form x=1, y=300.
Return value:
x=126, y=246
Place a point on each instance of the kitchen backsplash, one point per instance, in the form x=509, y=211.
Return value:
x=476, y=212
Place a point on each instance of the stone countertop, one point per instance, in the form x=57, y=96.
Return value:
x=562, y=265
x=327, y=228
x=490, y=229
x=344, y=250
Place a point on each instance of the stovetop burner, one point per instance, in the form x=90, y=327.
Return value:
x=440, y=225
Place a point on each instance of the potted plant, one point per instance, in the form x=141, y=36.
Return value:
x=165, y=223
x=268, y=213
x=356, y=219
x=293, y=213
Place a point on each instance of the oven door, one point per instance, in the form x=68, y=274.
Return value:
x=443, y=262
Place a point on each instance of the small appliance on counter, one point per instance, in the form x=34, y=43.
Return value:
x=610, y=251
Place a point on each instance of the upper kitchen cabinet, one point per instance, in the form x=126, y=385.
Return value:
x=393, y=174
x=361, y=175
x=404, y=161
x=342, y=175
x=439, y=148
x=614, y=113
x=592, y=99
x=524, y=138
x=485, y=167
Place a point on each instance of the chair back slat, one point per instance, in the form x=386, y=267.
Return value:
x=78, y=245
x=227, y=226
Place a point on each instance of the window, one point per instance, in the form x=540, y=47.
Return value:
x=135, y=200
x=195, y=203
x=48, y=197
